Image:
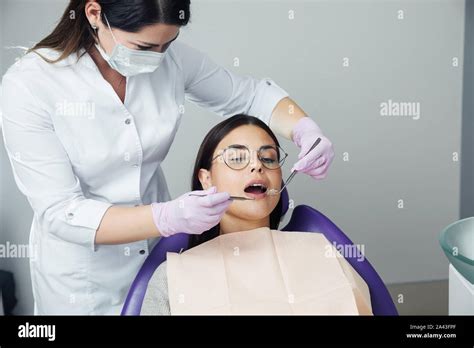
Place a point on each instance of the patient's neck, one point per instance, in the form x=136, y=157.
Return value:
x=231, y=224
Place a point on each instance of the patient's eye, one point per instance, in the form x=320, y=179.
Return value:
x=269, y=155
x=269, y=160
x=238, y=159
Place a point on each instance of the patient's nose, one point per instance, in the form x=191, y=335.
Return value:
x=256, y=165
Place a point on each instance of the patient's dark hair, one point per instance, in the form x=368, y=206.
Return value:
x=204, y=159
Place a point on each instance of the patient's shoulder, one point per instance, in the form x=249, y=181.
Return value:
x=159, y=279
x=156, y=299
x=161, y=269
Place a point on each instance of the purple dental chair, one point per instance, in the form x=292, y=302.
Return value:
x=304, y=218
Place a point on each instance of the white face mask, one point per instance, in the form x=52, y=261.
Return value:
x=130, y=62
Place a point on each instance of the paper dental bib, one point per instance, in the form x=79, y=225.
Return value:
x=265, y=271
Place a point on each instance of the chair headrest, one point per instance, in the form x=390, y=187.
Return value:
x=285, y=200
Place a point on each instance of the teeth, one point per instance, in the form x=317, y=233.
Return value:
x=257, y=185
x=262, y=187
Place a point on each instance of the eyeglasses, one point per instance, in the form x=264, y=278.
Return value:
x=238, y=157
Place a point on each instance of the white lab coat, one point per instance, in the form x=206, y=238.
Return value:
x=76, y=149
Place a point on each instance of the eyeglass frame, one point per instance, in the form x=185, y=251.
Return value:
x=277, y=148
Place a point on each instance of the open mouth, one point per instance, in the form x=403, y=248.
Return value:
x=256, y=189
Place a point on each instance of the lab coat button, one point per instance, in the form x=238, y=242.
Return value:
x=142, y=251
x=128, y=121
x=269, y=83
x=70, y=215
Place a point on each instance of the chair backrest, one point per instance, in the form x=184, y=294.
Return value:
x=136, y=294
x=305, y=219
x=285, y=201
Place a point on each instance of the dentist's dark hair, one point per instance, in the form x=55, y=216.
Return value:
x=74, y=32
x=204, y=161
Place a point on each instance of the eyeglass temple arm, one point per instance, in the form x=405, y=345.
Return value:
x=294, y=172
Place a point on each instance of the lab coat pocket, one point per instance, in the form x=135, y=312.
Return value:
x=63, y=260
x=62, y=270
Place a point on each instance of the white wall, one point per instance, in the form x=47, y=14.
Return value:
x=15, y=212
x=390, y=158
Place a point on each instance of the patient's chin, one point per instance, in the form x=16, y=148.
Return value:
x=252, y=210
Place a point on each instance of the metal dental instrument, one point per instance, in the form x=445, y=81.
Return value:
x=274, y=192
x=230, y=199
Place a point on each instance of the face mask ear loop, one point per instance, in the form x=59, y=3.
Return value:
x=113, y=36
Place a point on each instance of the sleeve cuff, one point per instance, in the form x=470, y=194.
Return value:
x=85, y=216
x=267, y=96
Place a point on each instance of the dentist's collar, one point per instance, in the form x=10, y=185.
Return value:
x=80, y=57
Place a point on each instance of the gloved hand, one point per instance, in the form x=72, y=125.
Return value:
x=315, y=163
x=190, y=214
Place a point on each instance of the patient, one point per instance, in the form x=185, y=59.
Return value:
x=241, y=156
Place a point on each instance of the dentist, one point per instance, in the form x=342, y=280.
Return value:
x=89, y=114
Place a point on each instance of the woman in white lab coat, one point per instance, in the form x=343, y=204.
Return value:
x=89, y=114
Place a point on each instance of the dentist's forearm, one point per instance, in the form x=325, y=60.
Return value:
x=284, y=117
x=126, y=225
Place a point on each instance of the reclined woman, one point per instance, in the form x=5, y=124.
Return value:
x=244, y=265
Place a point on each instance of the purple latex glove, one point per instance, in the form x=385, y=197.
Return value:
x=190, y=214
x=315, y=163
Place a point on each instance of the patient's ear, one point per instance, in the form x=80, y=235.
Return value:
x=205, y=178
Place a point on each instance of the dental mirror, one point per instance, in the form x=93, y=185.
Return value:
x=274, y=192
